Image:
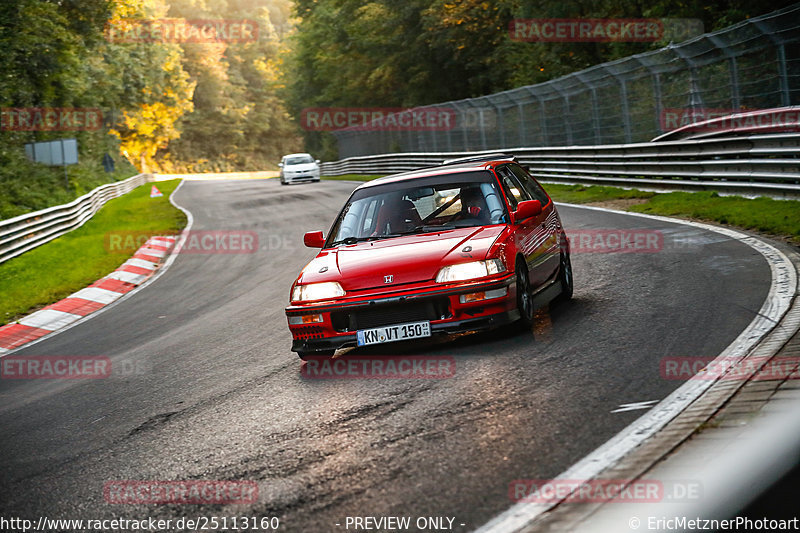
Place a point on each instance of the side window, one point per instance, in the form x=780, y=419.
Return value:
x=348, y=222
x=369, y=219
x=514, y=190
x=530, y=185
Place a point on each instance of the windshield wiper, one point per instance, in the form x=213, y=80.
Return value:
x=424, y=228
x=354, y=240
x=349, y=240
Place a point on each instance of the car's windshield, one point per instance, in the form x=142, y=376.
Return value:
x=420, y=206
x=299, y=160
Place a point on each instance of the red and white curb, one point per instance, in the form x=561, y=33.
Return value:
x=99, y=294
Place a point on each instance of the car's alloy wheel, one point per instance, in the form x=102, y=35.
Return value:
x=524, y=298
x=565, y=277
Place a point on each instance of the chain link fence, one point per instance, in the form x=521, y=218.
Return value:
x=751, y=65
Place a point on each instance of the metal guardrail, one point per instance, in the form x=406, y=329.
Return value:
x=25, y=232
x=767, y=165
x=748, y=66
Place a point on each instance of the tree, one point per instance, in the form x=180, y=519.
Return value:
x=155, y=91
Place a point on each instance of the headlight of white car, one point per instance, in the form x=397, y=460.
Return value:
x=317, y=291
x=475, y=269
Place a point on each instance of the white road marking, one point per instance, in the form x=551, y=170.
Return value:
x=635, y=406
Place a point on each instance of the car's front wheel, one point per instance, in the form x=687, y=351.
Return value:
x=524, y=298
x=305, y=356
x=565, y=276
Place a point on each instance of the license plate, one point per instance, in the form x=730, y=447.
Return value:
x=398, y=332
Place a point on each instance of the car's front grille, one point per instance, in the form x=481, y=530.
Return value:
x=377, y=315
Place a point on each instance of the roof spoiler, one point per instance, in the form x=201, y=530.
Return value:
x=479, y=158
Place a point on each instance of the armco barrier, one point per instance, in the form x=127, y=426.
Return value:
x=767, y=165
x=25, y=232
x=749, y=66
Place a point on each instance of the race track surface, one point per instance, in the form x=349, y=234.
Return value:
x=216, y=393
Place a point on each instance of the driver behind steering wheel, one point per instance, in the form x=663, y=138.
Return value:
x=473, y=205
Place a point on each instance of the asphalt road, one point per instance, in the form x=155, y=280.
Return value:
x=216, y=394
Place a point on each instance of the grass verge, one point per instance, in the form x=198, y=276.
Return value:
x=777, y=217
x=57, y=269
x=780, y=218
x=579, y=194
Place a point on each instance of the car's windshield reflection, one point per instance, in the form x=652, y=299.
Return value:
x=386, y=214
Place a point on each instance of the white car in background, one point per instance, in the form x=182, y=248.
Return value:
x=298, y=167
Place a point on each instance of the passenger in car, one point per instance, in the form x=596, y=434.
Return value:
x=397, y=215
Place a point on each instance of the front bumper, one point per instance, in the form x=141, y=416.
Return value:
x=441, y=306
x=301, y=177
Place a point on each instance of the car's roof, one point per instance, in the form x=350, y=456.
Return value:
x=441, y=170
x=295, y=155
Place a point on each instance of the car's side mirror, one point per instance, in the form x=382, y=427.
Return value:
x=280, y=164
x=527, y=209
x=317, y=161
x=314, y=239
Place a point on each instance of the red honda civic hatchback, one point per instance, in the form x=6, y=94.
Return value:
x=469, y=245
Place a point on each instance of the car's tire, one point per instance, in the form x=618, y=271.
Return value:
x=524, y=298
x=305, y=356
x=565, y=277
x=283, y=182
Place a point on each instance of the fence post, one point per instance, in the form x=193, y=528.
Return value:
x=595, y=110
x=783, y=76
x=500, y=124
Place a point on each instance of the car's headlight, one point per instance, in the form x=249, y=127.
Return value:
x=475, y=269
x=317, y=291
